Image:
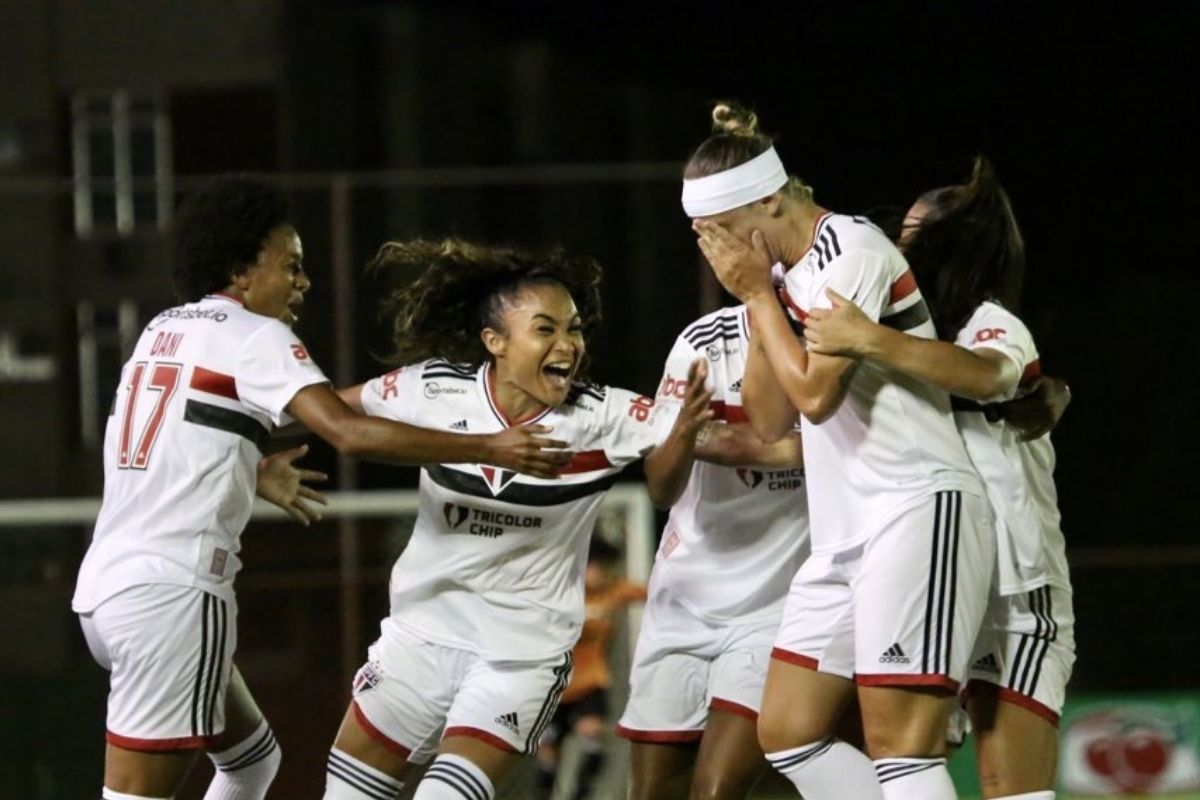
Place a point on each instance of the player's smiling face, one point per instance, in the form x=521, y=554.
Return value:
x=276, y=284
x=538, y=351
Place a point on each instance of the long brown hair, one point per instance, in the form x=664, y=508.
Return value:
x=465, y=288
x=967, y=249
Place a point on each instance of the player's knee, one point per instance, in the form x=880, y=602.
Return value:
x=778, y=730
x=714, y=786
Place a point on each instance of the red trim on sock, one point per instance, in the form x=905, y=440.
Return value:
x=730, y=707
x=157, y=745
x=886, y=679
x=377, y=735
x=483, y=736
x=658, y=737
x=808, y=662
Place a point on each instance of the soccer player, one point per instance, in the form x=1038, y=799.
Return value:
x=198, y=398
x=487, y=598
x=583, y=710
x=736, y=534
x=891, y=599
x=964, y=241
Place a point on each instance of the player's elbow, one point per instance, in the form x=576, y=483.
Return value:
x=817, y=408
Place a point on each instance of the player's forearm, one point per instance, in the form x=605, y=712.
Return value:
x=769, y=410
x=954, y=369
x=737, y=445
x=815, y=396
x=377, y=439
x=669, y=466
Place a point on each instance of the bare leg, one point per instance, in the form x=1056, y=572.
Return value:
x=1017, y=749
x=145, y=774
x=730, y=761
x=661, y=771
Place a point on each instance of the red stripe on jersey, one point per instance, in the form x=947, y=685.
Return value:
x=378, y=736
x=921, y=679
x=808, y=662
x=587, y=461
x=156, y=745
x=659, y=737
x=483, y=736
x=730, y=707
x=787, y=301
x=728, y=412
x=905, y=285
x=205, y=380
x=1033, y=371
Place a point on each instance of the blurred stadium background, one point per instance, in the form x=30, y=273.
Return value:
x=545, y=124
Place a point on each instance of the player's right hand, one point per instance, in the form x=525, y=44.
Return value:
x=523, y=449
x=696, y=411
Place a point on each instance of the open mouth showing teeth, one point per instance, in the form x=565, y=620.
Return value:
x=559, y=372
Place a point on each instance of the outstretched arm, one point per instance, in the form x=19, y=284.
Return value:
x=518, y=448
x=669, y=465
x=980, y=374
x=281, y=483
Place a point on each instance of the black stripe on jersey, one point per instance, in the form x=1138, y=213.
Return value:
x=562, y=674
x=909, y=318
x=228, y=420
x=701, y=328
x=837, y=247
x=520, y=494
x=952, y=578
x=720, y=336
x=727, y=329
x=457, y=376
x=441, y=363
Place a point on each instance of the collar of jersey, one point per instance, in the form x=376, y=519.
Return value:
x=225, y=296
x=816, y=229
x=489, y=395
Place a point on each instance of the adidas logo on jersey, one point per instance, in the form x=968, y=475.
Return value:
x=736, y=386
x=987, y=664
x=461, y=425
x=509, y=721
x=893, y=655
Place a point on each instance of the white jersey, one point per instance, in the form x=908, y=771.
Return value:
x=736, y=536
x=197, y=399
x=892, y=441
x=1018, y=476
x=496, y=560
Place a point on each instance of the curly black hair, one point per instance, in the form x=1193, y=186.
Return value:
x=219, y=231
x=465, y=287
x=967, y=249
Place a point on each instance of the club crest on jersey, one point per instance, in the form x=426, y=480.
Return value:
x=750, y=477
x=497, y=479
x=455, y=515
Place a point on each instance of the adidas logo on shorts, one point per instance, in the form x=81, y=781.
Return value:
x=893, y=655
x=461, y=425
x=987, y=664
x=509, y=721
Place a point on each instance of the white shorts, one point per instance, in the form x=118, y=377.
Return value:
x=902, y=609
x=684, y=666
x=1027, y=649
x=412, y=693
x=169, y=652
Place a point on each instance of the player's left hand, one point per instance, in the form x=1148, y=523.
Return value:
x=282, y=483
x=843, y=330
x=743, y=267
x=1038, y=411
x=696, y=411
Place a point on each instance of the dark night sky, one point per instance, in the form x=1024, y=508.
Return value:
x=1081, y=108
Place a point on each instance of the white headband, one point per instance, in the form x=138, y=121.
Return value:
x=713, y=194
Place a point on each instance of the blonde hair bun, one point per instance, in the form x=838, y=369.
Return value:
x=734, y=119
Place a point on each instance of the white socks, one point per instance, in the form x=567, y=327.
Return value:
x=109, y=794
x=915, y=779
x=452, y=777
x=347, y=778
x=828, y=770
x=245, y=771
